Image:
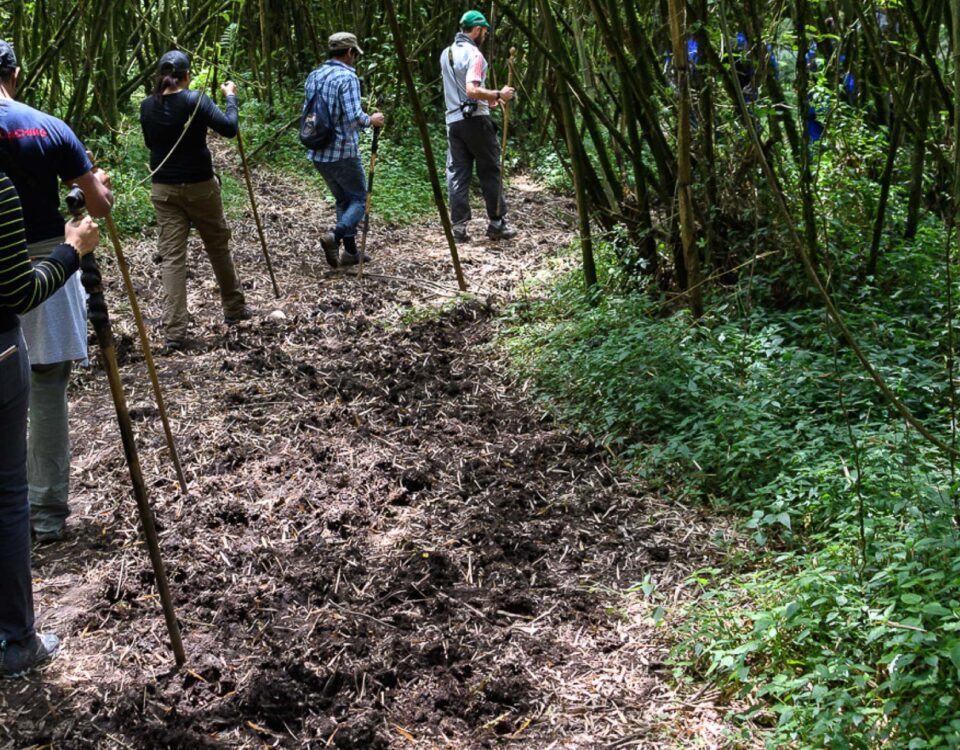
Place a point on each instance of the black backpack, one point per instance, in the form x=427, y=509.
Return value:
x=316, y=129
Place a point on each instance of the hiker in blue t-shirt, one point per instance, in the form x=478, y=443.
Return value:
x=39, y=153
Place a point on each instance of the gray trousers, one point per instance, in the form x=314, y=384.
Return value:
x=16, y=588
x=470, y=141
x=48, y=447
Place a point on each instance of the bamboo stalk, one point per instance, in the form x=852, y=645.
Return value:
x=421, y=121
x=691, y=257
x=256, y=214
x=374, y=147
x=576, y=158
x=506, y=127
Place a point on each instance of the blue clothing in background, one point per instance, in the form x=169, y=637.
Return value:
x=774, y=63
x=815, y=128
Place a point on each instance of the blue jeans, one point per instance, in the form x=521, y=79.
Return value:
x=16, y=586
x=348, y=184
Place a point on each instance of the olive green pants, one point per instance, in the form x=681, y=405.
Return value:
x=178, y=208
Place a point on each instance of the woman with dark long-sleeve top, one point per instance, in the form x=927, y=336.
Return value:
x=185, y=192
x=23, y=286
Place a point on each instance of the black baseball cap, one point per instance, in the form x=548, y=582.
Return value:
x=8, y=58
x=174, y=61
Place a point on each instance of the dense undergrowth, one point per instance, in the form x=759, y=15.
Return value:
x=838, y=619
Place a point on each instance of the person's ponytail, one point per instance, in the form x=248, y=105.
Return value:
x=166, y=81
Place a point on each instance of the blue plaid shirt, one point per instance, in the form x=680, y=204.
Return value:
x=340, y=89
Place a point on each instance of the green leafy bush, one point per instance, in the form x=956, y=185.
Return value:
x=847, y=611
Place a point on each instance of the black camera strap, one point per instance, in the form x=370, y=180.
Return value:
x=464, y=99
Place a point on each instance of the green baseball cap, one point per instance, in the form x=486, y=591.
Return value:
x=474, y=18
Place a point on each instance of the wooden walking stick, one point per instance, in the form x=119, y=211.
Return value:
x=256, y=214
x=506, y=126
x=97, y=309
x=145, y=345
x=253, y=199
x=373, y=165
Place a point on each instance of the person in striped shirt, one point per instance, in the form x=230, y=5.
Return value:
x=23, y=286
x=339, y=163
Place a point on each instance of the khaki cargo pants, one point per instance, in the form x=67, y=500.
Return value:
x=178, y=207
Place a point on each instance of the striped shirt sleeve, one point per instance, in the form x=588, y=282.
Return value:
x=24, y=285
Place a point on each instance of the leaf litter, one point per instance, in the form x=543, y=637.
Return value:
x=385, y=543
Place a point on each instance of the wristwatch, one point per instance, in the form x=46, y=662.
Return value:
x=498, y=95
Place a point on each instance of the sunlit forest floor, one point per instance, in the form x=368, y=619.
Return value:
x=386, y=543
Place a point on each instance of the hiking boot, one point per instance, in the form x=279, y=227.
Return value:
x=49, y=536
x=174, y=345
x=331, y=248
x=19, y=657
x=460, y=234
x=245, y=314
x=500, y=230
x=348, y=259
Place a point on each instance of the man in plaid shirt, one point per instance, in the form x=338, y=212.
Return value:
x=339, y=163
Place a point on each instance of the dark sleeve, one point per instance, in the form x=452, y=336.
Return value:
x=24, y=285
x=224, y=124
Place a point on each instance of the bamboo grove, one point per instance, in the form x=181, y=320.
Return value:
x=738, y=172
x=651, y=103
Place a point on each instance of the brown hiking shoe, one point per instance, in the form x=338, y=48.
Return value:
x=331, y=248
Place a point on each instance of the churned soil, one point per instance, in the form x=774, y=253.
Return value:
x=385, y=543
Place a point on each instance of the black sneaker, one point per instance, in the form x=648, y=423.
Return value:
x=18, y=658
x=348, y=259
x=50, y=536
x=331, y=248
x=174, y=345
x=500, y=230
x=245, y=314
x=460, y=234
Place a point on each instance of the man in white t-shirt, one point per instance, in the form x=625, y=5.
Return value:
x=471, y=134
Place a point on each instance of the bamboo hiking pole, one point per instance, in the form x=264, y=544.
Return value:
x=421, y=120
x=145, y=346
x=256, y=213
x=373, y=165
x=506, y=126
x=99, y=316
x=246, y=175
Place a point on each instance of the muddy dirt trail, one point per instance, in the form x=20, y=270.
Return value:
x=386, y=543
